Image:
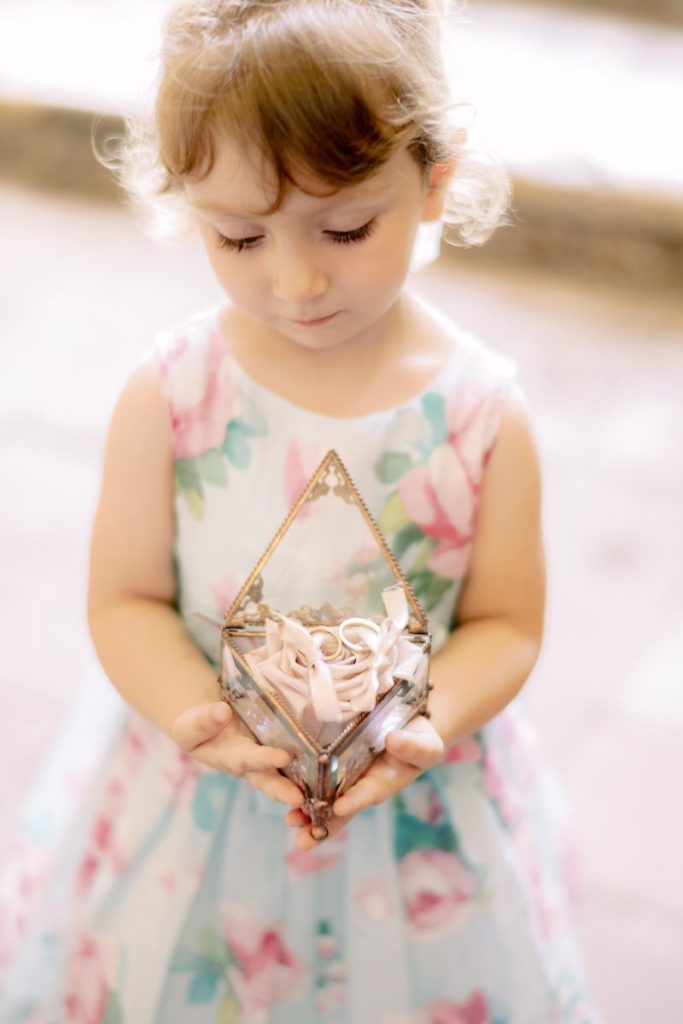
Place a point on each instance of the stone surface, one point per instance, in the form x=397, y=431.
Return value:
x=645, y=10
x=638, y=980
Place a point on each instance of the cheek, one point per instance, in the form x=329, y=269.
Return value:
x=385, y=269
x=236, y=277
x=231, y=270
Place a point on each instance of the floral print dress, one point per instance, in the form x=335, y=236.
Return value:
x=144, y=889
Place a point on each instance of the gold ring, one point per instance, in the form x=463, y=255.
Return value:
x=365, y=624
x=338, y=648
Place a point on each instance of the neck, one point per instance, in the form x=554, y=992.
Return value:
x=375, y=370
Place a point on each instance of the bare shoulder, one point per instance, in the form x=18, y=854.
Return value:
x=141, y=408
x=506, y=576
x=138, y=440
x=514, y=462
x=133, y=528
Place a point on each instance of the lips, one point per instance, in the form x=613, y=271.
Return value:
x=317, y=322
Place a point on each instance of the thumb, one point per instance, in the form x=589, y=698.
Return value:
x=200, y=723
x=418, y=744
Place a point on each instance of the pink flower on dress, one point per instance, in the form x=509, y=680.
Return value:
x=437, y=891
x=466, y=750
x=553, y=914
x=473, y=418
x=201, y=395
x=106, y=841
x=321, y=858
x=440, y=499
x=180, y=772
x=24, y=873
x=267, y=970
x=442, y=496
x=474, y=1011
x=374, y=898
x=92, y=971
x=501, y=789
x=511, y=765
x=330, y=996
x=424, y=803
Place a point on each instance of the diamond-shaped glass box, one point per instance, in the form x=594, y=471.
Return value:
x=329, y=581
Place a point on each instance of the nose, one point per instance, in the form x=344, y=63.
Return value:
x=297, y=279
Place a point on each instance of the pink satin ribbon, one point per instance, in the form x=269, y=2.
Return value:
x=292, y=660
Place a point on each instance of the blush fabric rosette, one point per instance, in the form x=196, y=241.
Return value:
x=332, y=674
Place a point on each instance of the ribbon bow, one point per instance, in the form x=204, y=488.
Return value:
x=336, y=685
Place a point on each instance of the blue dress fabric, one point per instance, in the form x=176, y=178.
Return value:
x=142, y=888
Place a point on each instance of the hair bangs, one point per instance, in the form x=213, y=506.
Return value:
x=317, y=113
x=324, y=91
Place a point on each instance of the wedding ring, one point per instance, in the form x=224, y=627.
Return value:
x=364, y=624
x=327, y=655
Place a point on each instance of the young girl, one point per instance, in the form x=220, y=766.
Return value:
x=308, y=140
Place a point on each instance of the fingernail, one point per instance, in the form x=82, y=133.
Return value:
x=221, y=713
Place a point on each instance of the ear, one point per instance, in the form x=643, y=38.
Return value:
x=437, y=189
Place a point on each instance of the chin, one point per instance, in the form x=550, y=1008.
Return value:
x=315, y=339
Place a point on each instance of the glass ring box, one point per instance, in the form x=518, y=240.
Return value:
x=326, y=649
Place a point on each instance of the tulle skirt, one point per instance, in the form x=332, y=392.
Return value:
x=143, y=888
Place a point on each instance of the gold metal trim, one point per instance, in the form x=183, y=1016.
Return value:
x=314, y=489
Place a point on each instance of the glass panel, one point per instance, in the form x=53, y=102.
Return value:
x=357, y=751
x=261, y=714
x=351, y=567
x=326, y=649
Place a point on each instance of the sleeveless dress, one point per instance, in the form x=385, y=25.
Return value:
x=145, y=889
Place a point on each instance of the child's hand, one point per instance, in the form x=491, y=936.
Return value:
x=408, y=752
x=211, y=734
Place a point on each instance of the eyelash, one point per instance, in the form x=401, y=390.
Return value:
x=237, y=244
x=336, y=237
x=357, y=235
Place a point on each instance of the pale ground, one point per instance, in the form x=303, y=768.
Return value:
x=82, y=292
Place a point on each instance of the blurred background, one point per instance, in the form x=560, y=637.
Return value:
x=583, y=102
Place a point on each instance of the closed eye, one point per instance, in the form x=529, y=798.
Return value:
x=357, y=235
x=237, y=244
x=338, y=237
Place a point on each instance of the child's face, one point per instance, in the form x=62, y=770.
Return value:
x=320, y=270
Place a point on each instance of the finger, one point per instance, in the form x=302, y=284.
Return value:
x=305, y=841
x=365, y=793
x=418, y=745
x=381, y=781
x=241, y=754
x=276, y=787
x=201, y=723
x=297, y=818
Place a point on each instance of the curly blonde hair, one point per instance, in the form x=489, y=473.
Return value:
x=325, y=89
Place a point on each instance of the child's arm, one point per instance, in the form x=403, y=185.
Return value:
x=500, y=622
x=139, y=637
x=500, y=616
